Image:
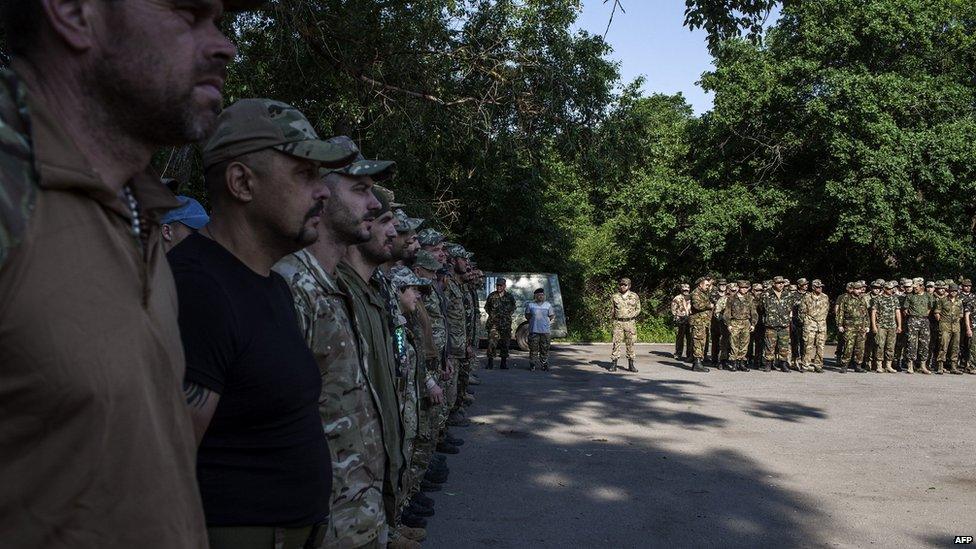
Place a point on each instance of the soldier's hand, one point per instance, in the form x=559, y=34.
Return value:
x=436, y=394
x=840, y=329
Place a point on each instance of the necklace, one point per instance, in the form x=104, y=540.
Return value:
x=134, y=208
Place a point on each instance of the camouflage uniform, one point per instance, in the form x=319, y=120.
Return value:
x=680, y=309
x=968, y=343
x=720, y=330
x=885, y=308
x=716, y=332
x=950, y=312
x=500, y=308
x=625, y=308
x=741, y=316
x=701, y=318
x=348, y=405
x=758, y=336
x=917, y=309
x=852, y=315
x=778, y=310
x=457, y=331
x=813, y=310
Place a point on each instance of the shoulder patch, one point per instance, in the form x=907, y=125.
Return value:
x=18, y=179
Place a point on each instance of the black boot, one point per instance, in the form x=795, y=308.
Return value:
x=698, y=366
x=767, y=366
x=858, y=369
x=504, y=363
x=630, y=365
x=784, y=367
x=613, y=366
x=532, y=366
x=491, y=363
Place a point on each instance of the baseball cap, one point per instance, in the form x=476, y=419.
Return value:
x=816, y=283
x=251, y=125
x=757, y=286
x=930, y=284
x=189, y=213
x=877, y=283
x=378, y=170
x=953, y=287
x=966, y=282
x=779, y=280
x=385, y=197
x=859, y=284
x=427, y=260
x=457, y=250
x=721, y=282
x=685, y=288
x=891, y=284
x=406, y=223
x=402, y=277
x=430, y=237
x=743, y=284
x=801, y=281
x=625, y=280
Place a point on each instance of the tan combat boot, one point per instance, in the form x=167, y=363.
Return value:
x=877, y=367
x=940, y=368
x=910, y=369
x=416, y=534
x=922, y=368
x=889, y=369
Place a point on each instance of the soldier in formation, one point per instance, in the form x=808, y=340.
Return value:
x=680, y=314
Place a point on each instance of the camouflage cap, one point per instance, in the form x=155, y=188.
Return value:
x=402, y=277
x=685, y=288
x=757, y=286
x=862, y=283
x=378, y=170
x=406, y=223
x=891, y=285
x=624, y=280
x=430, y=237
x=966, y=282
x=743, y=284
x=385, y=198
x=721, y=282
x=849, y=286
x=877, y=283
x=930, y=284
x=700, y=279
x=779, y=280
x=427, y=260
x=457, y=250
x=953, y=287
x=859, y=285
x=251, y=125
x=816, y=283
x=802, y=282
x=918, y=280
x=941, y=285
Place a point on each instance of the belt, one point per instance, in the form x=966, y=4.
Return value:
x=625, y=319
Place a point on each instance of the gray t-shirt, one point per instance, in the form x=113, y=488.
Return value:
x=539, y=317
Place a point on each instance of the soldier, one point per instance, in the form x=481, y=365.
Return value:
x=701, y=318
x=757, y=337
x=852, y=323
x=948, y=313
x=904, y=289
x=716, y=333
x=969, y=322
x=460, y=351
x=625, y=308
x=931, y=288
x=540, y=315
x=778, y=310
x=966, y=296
x=500, y=307
x=721, y=338
x=741, y=316
x=680, y=311
x=916, y=309
x=886, y=325
x=348, y=404
x=839, y=352
x=813, y=310
x=796, y=327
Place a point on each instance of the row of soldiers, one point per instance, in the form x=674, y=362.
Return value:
x=887, y=326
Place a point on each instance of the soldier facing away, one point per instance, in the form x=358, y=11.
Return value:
x=625, y=308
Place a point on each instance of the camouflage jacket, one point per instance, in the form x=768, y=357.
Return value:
x=438, y=325
x=348, y=405
x=950, y=312
x=885, y=307
x=720, y=304
x=778, y=310
x=625, y=306
x=680, y=308
x=852, y=312
x=18, y=179
x=741, y=307
x=457, y=328
x=471, y=312
x=500, y=308
x=814, y=308
x=969, y=306
x=701, y=307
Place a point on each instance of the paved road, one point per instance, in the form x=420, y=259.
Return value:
x=580, y=457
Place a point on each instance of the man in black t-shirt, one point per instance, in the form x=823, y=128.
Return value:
x=251, y=383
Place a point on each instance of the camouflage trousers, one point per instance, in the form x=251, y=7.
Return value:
x=917, y=339
x=949, y=347
x=738, y=339
x=464, y=376
x=624, y=331
x=499, y=336
x=814, y=338
x=699, y=335
x=854, y=340
x=777, y=343
x=884, y=345
x=718, y=340
x=682, y=339
x=797, y=340
x=972, y=352
x=422, y=451
x=539, y=348
x=900, y=341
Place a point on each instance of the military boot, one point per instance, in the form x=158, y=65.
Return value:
x=532, y=366
x=857, y=368
x=630, y=365
x=889, y=368
x=939, y=368
x=416, y=534
x=491, y=363
x=817, y=368
x=767, y=366
x=783, y=366
x=923, y=368
x=954, y=370
x=698, y=366
x=403, y=542
x=910, y=367
x=504, y=363
x=613, y=366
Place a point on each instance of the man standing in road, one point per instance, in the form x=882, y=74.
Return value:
x=778, y=308
x=813, y=310
x=540, y=315
x=701, y=318
x=741, y=316
x=500, y=307
x=680, y=311
x=625, y=308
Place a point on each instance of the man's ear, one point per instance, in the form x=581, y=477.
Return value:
x=167, y=232
x=75, y=22
x=239, y=181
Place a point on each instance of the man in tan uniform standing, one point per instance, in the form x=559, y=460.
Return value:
x=813, y=310
x=626, y=307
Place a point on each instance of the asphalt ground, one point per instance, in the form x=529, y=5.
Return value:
x=666, y=457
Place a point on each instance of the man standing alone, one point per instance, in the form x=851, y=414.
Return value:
x=540, y=315
x=626, y=307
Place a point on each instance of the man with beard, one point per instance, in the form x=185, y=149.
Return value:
x=98, y=445
x=348, y=404
x=359, y=272
x=251, y=382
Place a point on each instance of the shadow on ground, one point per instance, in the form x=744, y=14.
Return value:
x=521, y=485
